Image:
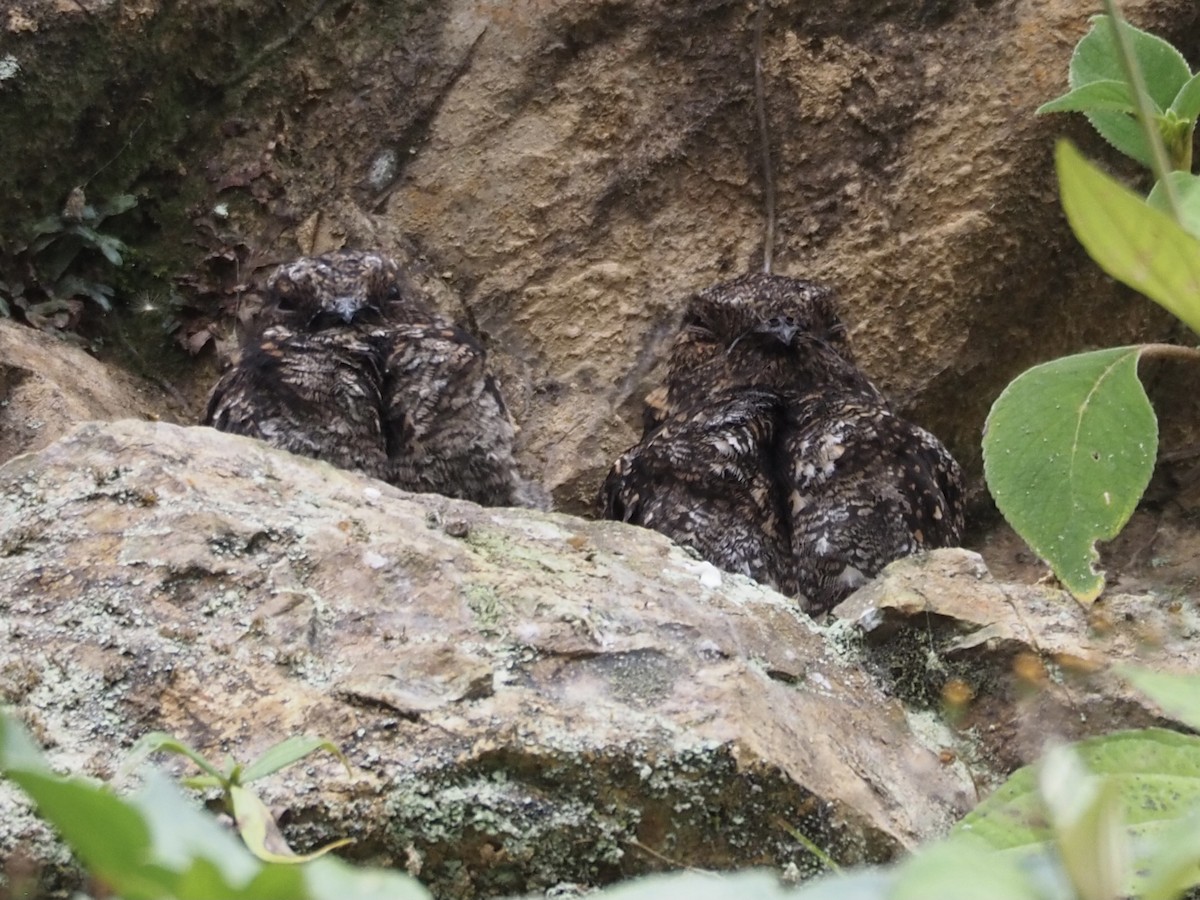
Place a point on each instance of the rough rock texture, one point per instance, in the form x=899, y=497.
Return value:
x=1014, y=665
x=526, y=698
x=575, y=168
x=47, y=386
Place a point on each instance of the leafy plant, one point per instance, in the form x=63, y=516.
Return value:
x=1093, y=821
x=60, y=264
x=1101, y=89
x=1069, y=446
x=156, y=844
x=254, y=821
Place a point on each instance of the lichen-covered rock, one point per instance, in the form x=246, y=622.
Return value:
x=526, y=698
x=1011, y=664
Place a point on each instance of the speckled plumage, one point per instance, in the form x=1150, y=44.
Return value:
x=772, y=454
x=352, y=367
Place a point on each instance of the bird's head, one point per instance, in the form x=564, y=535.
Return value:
x=336, y=290
x=761, y=330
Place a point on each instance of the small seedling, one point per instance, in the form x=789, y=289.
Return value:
x=254, y=821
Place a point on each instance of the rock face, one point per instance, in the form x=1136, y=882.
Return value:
x=1014, y=665
x=574, y=169
x=526, y=698
x=48, y=386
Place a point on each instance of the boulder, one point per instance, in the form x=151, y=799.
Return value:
x=1011, y=666
x=47, y=386
x=526, y=698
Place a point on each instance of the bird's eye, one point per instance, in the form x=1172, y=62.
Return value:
x=392, y=293
x=286, y=304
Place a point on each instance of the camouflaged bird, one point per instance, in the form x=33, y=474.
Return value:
x=352, y=367
x=772, y=454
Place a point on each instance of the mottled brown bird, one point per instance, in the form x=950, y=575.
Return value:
x=774, y=456
x=352, y=367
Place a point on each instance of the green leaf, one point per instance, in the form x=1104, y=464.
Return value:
x=1129, y=239
x=287, y=752
x=17, y=749
x=182, y=834
x=51, y=225
x=71, y=286
x=1177, y=695
x=332, y=879
x=115, y=206
x=160, y=741
x=1068, y=450
x=1098, y=95
x=1187, y=195
x=262, y=836
x=1156, y=774
x=111, y=247
x=108, y=836
x=1172, y=861
x=57, y=257
x=1186, y=104
x=1096, y=58
x=1086, y=816
x=703, y=886
x=960, y=870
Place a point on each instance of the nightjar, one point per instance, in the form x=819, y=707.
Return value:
x=352, y=367
x=774, y=456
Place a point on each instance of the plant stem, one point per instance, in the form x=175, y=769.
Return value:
x=1170, y=351
x=1141, y=101
x=764, y=136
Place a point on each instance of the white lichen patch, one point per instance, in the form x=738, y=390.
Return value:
x=9, y=67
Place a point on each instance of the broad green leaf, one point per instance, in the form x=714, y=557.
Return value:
x=1068, y=450
x=182, y=833
x=159, y=845
x=262, y=836
x=1164, y=69
x=161, y=741
x=1156, y=774
x=51, y=225
x=115, y=206
x=959, y=870
x=1085, y=814
x=1187, y=195
x=57, y=257
x=17, y=749
x=1177, y=695
x=1172, y=861
x=862, y=884
x=1130, y=240
x=1113, y=95
x=70, y=286
x=332, y=879
x=705, y=886
x=1186, y=104
x=111, y=247
x=111, y=839
x=287, y=752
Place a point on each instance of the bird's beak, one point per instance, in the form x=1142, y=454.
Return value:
x=779, y=329
x=348, y=307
